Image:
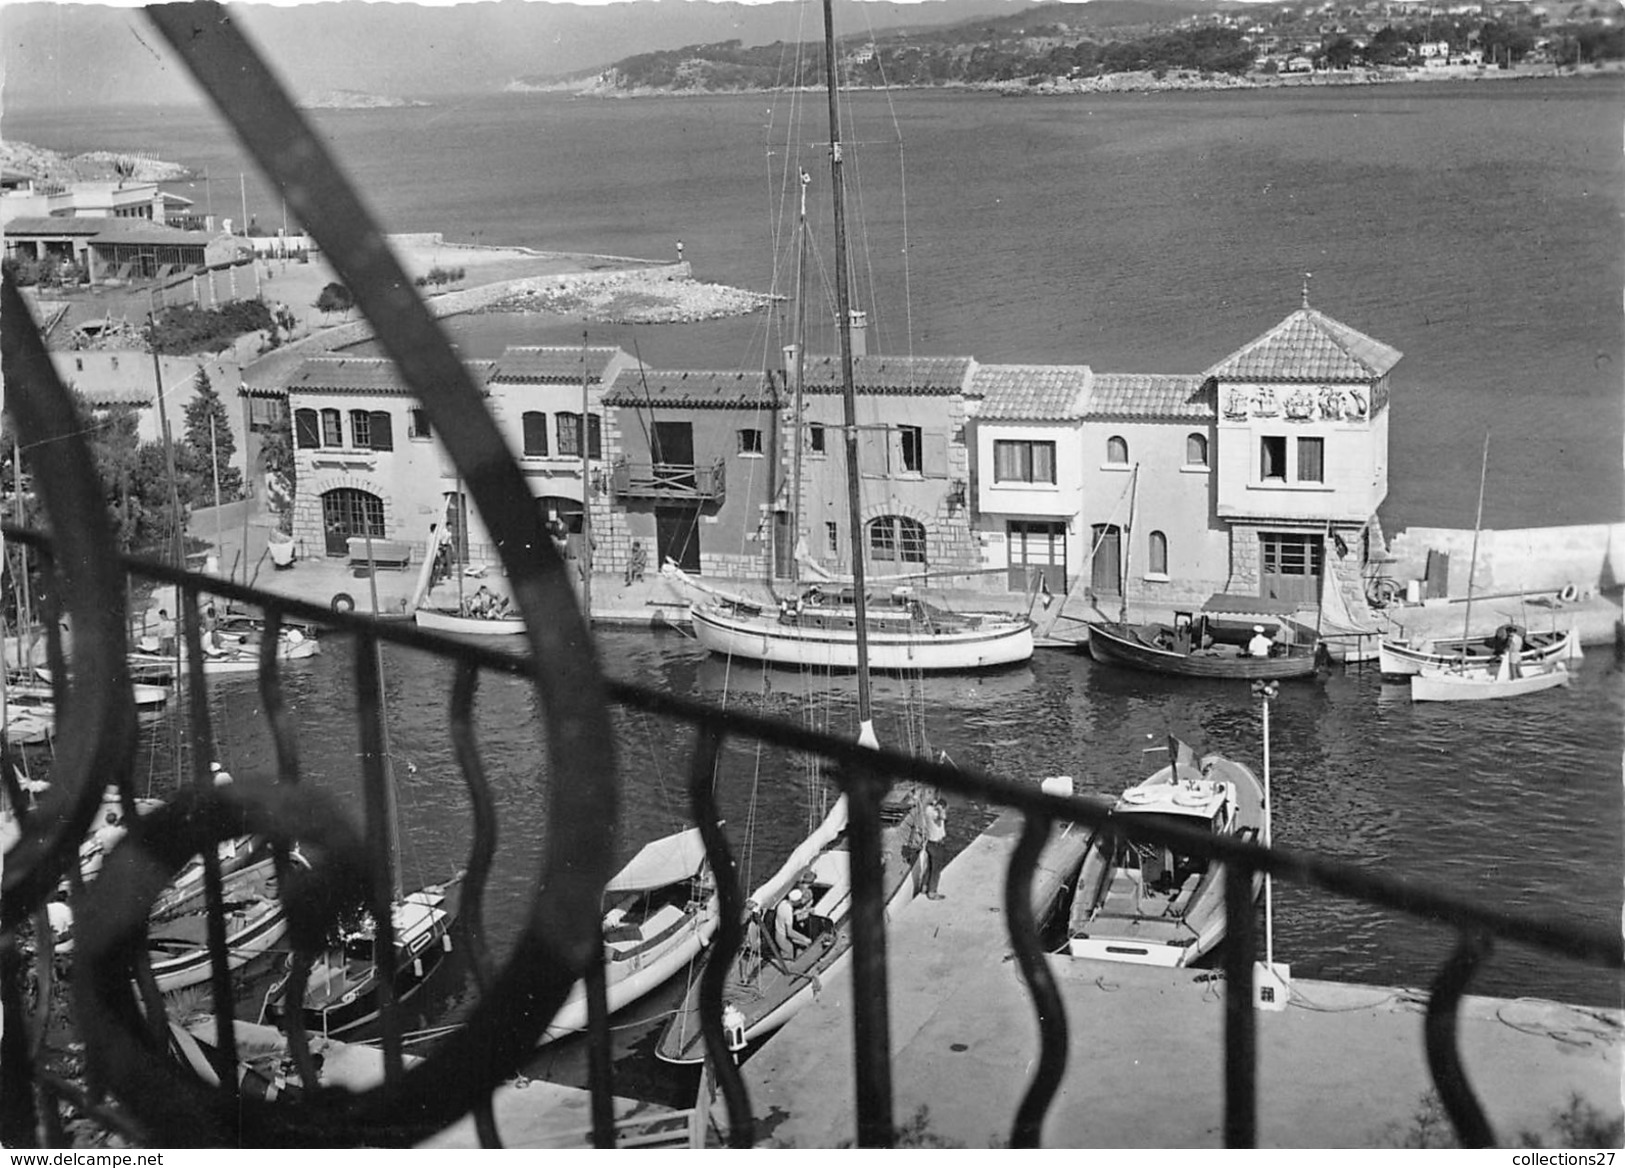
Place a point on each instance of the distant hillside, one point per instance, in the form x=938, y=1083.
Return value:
x=351, y=99
x=100, y=55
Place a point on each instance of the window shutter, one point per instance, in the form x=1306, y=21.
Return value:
x=383, y=434
x=306, y=430
x=934, y=454
x=872, y=442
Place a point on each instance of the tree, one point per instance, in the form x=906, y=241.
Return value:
x=209, y=443
x=335, y=298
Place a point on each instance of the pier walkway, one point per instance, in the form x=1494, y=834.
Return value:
x=1342, y=1067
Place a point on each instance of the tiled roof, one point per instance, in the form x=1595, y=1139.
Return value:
x=692, y=389
x=926, y=376
x=1039, y=393
x=557, y=363
x=1309, y=346
x=54, y=225
x=362, y=375
x=1150, y=395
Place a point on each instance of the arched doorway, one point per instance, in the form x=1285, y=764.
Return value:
x=348, y=511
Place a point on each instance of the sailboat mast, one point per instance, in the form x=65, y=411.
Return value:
x=391, y=808
x=801, y=369
x=849, y=401
x=586, y=494
x=1478, y=522
x=1128, y=544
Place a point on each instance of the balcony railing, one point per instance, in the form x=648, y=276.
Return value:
x=130, y=1087
x=670, y=480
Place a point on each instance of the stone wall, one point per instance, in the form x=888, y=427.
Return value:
x=1590, y=558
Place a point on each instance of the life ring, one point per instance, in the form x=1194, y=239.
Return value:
x=1569, y=594
x=1190, y=797
x=1138, y=796
x=343, y=602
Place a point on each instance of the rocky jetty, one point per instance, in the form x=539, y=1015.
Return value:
x=645, y=296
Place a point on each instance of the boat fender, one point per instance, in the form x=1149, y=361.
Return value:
x=417, y=967
x=1569, y=594
x=445, y=942
x=343, y=602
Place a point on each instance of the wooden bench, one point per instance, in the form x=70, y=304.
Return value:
x=386, y=553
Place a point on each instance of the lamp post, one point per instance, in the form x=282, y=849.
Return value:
x=1271, y=983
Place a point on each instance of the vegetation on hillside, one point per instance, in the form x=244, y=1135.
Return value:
x=188, y=329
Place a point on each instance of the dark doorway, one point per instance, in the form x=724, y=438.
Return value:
x=677, y=536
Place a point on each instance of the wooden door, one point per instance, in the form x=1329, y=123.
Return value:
x=1291, y=566
x=1106, y=572
x=1037, y=550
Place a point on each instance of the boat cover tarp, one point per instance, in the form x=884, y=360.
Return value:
x=1231, y=604
x=780, y=882
x=661, y=863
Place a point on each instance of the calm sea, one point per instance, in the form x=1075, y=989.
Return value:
x=1475, y=227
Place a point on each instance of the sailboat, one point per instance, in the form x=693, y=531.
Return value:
x=1508, y=673
x=343, y=992
x=818, y=627
x=766, y=986
x=472, y=617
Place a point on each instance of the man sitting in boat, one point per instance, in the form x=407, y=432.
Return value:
x=1259, y=646
x=789, y=939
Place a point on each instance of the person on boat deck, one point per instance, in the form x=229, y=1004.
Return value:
x=166, y=632
x=480, y=603
x=812, y=926
x=786, y=935
x=1514, y=652
x=110, y=834
x=211, y=628
x=1259, y=646
x=936, y=845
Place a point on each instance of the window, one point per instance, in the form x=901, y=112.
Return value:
x=1272, y=458
x=307, y=433
x=1023, y=462
x=360, y=429
x=913, y=449
x=1196, y=450
x=897, y=540
x=332, y=428
x=750, y=442
x=417, y=425
x=264, y=413
x=535, y=425
x=1159, y=554
x=815, y=438
x=1311, y=460
x=382, y=429
x=570, y=436
x=1117, y=451
x=832, y=536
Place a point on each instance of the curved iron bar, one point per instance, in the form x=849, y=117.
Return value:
x=1240, y=1024
x=561, y=929
x=729, y=937
x=1028, y=1129
x=1473, y=1129
x=470, y=924
x=97, y=694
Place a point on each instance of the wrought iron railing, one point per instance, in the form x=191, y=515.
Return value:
x=129, y=1085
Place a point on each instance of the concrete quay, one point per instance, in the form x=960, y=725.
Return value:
x=1342, y=1067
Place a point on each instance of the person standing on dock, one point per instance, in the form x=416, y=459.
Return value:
x=936, y=844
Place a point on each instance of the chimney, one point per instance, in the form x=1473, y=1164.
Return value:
x=858, y=331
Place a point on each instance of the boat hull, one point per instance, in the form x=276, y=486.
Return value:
x=1120, y=915
x=1396, y=658
x=441, y=621
x=1118, y=644
x=765, y=639
x=1478, y=686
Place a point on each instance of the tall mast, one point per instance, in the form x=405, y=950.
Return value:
x=801, y=370
x=1128, y=545
x=586, y=494
x=849, y=398
x=1478, y=522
